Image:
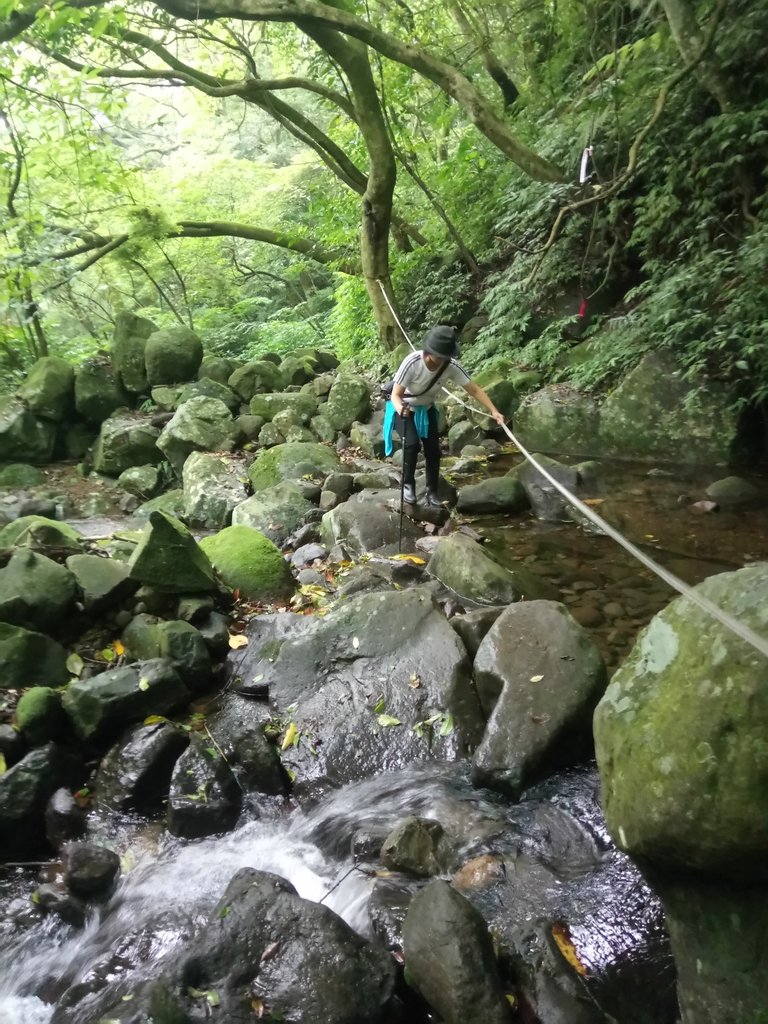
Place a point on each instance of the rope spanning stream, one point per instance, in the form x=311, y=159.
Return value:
x=741, y=629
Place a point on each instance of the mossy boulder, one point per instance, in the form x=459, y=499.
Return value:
x=41, y=534
x=172, y=356
x=98, y=391
x=169, y=559
x=125, y=441
x=298, y=370
x=681, y=735
x=255, y=378
x=558, y=418
x=166, y=396
x=129, y=343
x=140, y=481
x=214, y=485
x=19, y=475
x=35, y=591
x=40, y=716
x=49, y=390
x=217, y=368
x=292, y=461
x=349, y=400
x=29, y=659
x=210, y=389
x=268, y=405
x=497, y=494
x=462, y=565
x=170, y=502
x=24, y=437
x=276, y=511
x=249, y=562
x=201, y=424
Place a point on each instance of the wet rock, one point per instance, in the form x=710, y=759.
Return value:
x=539, y=676
x=238, y=728
x=547, y=502
x=90, y=871
x=450, y=959
x=103, y=582
x=367, y=523
x=214, y=629
x=415, y=846
x=463, y=566
x=41, y=534
x=185, y=648
x=141, y=637
x=100, y=706
x=207, y=388
x=463, y=433
x=473, y=626
x=172, y=356
x=49, y=390
x=298, y=958
x=28, y=659
x=64, y=818
x=733, y=491
x=194, y=608
x=12, y=746
x=201, y=424
x=168, y=558
x=308, y=553
x=35, y=592
x=39, y=715
x=213, y=487
x=204, y=797
x=129, y=343
x=125, y=441
x=498, y=494
x=587, y=615
x=291, y=462
x=275, y=512
x=135, y=774
x=98, y=392
x=703, y=508
x=24, y=437
x=140, y=481
x=53, y=898
x=24, y=792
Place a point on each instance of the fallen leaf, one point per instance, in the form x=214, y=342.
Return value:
x=213, y=998
x=512, y=1000
x=387, y=720
x=154, y=719
x=565, y=944
x=108, y=654
x=409, y=558
x=272, y=950
x=415, y=681
x=119, y=648
x=143, y=683
x=355, y=642
x=3, y=765
x=380, y=704
x=536, y=679
x=594, y=501
x=75, y=664
x=257, y=1005
x=237, y=640
x=291, y=737
x=447, y=727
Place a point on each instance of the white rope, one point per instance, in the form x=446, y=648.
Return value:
x=741, y=630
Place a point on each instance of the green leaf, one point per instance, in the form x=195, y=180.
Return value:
x=447, y=727
x=387, y=720
x=224, y=911
x=108, y=654
x=380, y=704
x=3, y=765
x=143, y=683
x=75, y=664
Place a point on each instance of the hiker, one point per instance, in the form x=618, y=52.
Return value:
x=411, y=410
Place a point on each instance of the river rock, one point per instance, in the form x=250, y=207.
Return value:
x=497, y=494
x=39, y=715
x=35, y=592
x=24, y=437
x=140, y=481
x=463, y=433
x=101, y=705
x=557, y=418
x=249, y=562
x=124, y=441
x=204, y=797
x=546, y=501
x=98, y=392
x=362, y=678
x=291, y=462
x=368, y=523
x=29, y=659
x=166, y=397
x=90, y=871
x=168, y=558
x=539, y=676
x=201, y=424
x=170, y=502
x=450, y=959
x=49, y=390
x=237, y=725
x=462, y=565
x=12, y=746
x=275, y=511
x=248, y=428
x=64, y=819
x=24, y=792
x=39, y=533
x=297, y=370
x=129, y=343
x=135, y=774
x=18, y=475
x=305, y=963
x=218, y=368
x=187, y=651
x=103, y=582
x=473, y=626
x=172, y=356
x=349, y=400
x=270, y=436
x=207, y=388
x=214, y=485
x=733, y=491
x=368, y=437
x=680, y=737
x=255, y=378
x=268, y=405
x=414, y=846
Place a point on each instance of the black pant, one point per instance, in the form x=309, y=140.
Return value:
x=431, y=442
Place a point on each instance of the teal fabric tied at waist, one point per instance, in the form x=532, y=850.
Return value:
x=420, y=415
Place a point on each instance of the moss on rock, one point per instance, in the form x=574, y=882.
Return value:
x=249, y=562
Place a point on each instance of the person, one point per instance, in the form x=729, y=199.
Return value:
x=411, y=410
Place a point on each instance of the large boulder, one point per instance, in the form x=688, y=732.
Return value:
x=204, y=798
x=497, y=494
x=24, y=437
x=129, y=342
x=249, y=563
x=292, y=462
x=349, y=400
x=218, y=368
x=99, y=707
x=255, y=378
x=214, y=485
x=656, y=414
x=172, y=356
x=35, y=592
x=103, y=582
x=41, y=534
x=24, y=791
x=680, y=736
x=365, y=524
x=98, y=391
x=29, y=659
x=49, y=390
x=124, y=441
x=207, y=388
x=547, y=502
x=462, y=565
x=539, y=676
x=267, y=406
x=558, y=418
x=169, y=559
x=201, y=424
x=276, y=511
x=19, y=475
x=450, y=958
x=136, y=772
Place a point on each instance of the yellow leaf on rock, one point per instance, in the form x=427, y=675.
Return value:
x=291, y=736
x=237, y=640
x=119, y=648
x=409, y=558
x=536, y=679
x=143, y=683
x=3, y=765
x=562, y=937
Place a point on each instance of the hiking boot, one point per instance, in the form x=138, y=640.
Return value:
x=432, y=500
x=409, y=494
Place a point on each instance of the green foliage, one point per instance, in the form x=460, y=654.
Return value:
x=351, y=326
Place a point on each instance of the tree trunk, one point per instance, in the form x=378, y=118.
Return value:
x=689, y=40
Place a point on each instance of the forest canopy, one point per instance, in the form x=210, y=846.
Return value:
x=276, y=173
